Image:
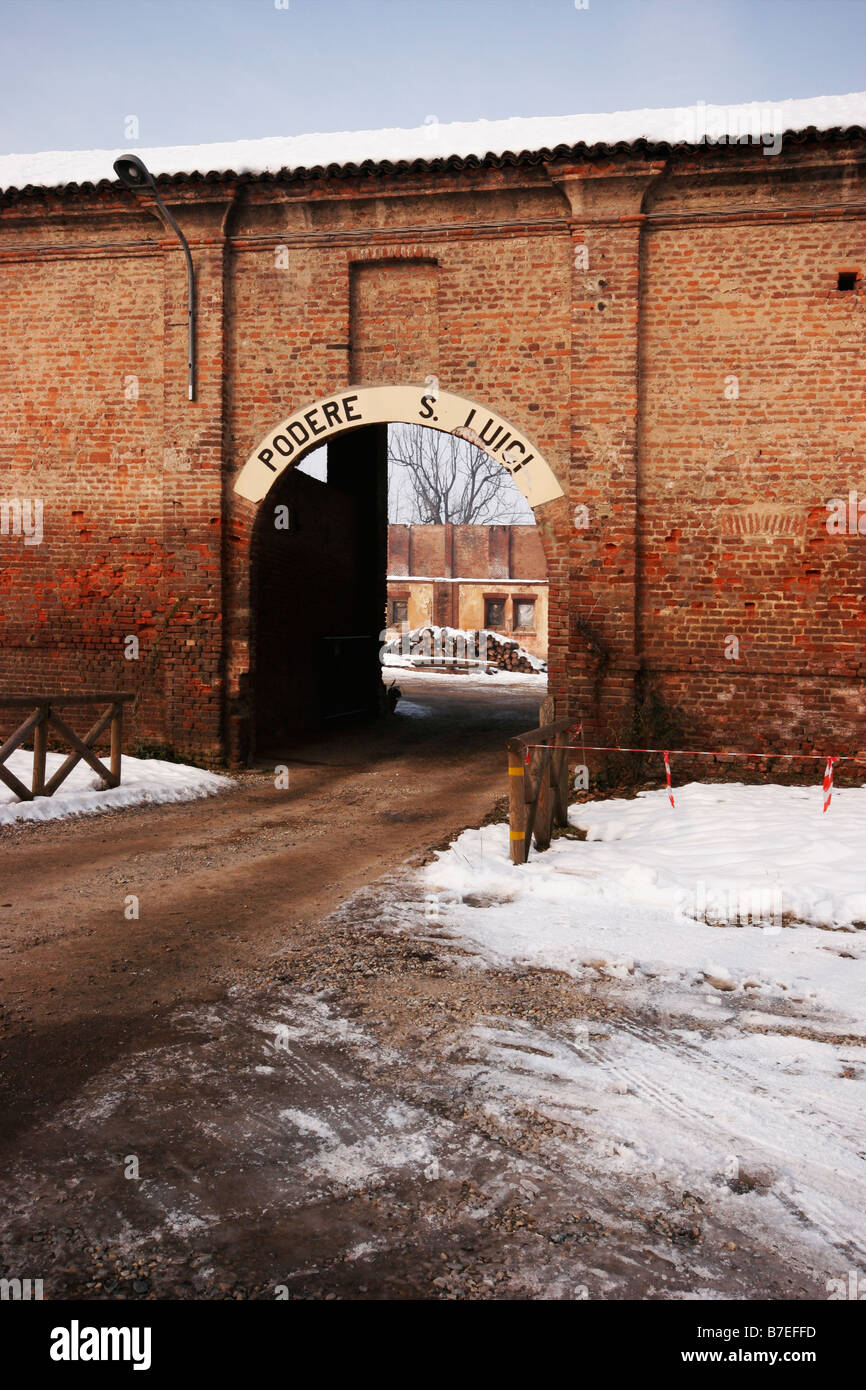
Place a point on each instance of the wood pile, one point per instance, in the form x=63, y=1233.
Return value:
x=447, y=649
x=505, y=654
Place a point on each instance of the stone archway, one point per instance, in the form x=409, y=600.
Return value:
x=347, y=420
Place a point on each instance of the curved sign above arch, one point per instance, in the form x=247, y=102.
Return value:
x=315, y=424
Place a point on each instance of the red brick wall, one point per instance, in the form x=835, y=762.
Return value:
x=527, y=553
x=735, y=475
x=477, y=552
x=395, y=321
x=600, y=306
x=398, y=549
x=427, y=551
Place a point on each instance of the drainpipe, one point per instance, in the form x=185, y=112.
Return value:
x=134, y=174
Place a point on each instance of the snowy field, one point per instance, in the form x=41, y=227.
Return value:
x=721, y=946
x=531, y=679
x=753, y=887
x=142, y=780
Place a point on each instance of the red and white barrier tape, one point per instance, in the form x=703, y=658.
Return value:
x=668, y=778
x=828, y=784
x=696, y=752
x=831, y=760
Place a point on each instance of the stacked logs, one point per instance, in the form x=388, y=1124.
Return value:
x=446, y=648
x=506, y=654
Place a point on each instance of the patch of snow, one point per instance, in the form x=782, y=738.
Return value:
x=740, y=893
x=454, y=578
x=760, y=1130
x=477, y=680
x=311, y=1124
x=143, y=780
x=725, y=941
x=413, y=710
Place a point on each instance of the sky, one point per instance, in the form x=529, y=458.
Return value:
x=94, y=74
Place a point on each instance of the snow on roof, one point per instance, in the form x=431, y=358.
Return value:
x=435, y=140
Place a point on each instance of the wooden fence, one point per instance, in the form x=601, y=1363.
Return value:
x=42, y=717
x=537, y=786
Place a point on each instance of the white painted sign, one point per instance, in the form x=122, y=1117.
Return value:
x=315, y=424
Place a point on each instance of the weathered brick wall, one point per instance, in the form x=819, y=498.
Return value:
x=398, y=549
x=80, y=335
x=394, y=318
x=483, y=552
x=527, y=560
x=753, y=414
x=603, y=307
x=97, y=429
x=428, y=551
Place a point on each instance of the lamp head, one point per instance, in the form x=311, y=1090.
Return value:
x=133, y=172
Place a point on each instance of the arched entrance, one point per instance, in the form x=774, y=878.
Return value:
x=318, y=556
x=316, y=424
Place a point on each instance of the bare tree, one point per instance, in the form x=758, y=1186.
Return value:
x=435, y=477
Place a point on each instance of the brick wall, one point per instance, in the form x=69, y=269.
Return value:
x=753, y=415
x=503, y=560
x=482, y=552
x=667, y=331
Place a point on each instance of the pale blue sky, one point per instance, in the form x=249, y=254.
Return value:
x=199, y=70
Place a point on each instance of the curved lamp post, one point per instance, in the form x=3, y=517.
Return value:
x=134, y=173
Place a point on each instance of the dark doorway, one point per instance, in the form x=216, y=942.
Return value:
x=318, y=592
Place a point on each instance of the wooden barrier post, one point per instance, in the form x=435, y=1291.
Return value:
x=81, y=748
x=546, y=712
x=116, y=742
x=40, y=751
x=517, y=807
x=13, y=742
x=559, y=777
x=538, y=785
x=544, y=802
x=44, y=717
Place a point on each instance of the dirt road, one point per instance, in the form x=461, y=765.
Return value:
x=223, y=884
x=276, y=1082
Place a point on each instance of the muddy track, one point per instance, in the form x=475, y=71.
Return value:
x=222, y=884
x=280, y=1081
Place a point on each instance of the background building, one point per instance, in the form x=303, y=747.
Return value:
x=469, y=577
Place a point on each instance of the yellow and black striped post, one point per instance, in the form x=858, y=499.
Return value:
x=516, y=807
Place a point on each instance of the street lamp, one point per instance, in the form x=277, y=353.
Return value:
x=134, y=173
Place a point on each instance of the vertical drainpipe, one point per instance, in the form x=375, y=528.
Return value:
x=134, y=174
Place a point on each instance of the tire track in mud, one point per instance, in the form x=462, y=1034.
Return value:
x=800, y=1195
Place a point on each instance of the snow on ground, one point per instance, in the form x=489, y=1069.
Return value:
x=142, y=780
x=415, y=681
x=701, y=893
x=478, y=680
x=760, y=1132
x=725, y=941
x=412, y=710
x=435, y=139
